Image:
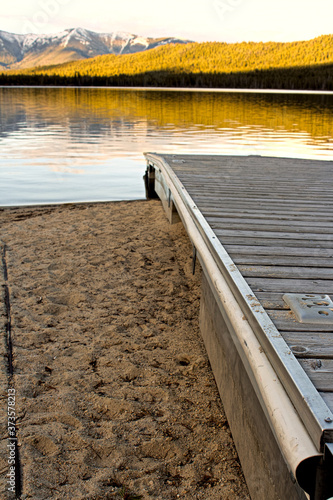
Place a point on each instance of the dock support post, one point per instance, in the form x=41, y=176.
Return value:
x=324, y=477
x=163, y=192
x=149, y=180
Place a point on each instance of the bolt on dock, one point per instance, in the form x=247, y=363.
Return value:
x=262, y=229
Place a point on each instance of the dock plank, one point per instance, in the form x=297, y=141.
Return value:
x=281, y=235
x=279, y=250
x=301, y=244
x=265, y=215
x=272, y=300
x=253, y=224
x=328, y=398
x=310, y=344
x=291, y=286
x=286, y=320
x=320, y=372
x=281, y=260
x=290, y=272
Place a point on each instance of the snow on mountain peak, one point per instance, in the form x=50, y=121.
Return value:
x=141, y=40
x=25, y=49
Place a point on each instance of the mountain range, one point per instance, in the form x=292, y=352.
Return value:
x=27, y=51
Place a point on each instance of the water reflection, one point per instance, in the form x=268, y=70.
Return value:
x=68, y=144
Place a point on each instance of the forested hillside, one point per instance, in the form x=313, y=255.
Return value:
x=295, y=65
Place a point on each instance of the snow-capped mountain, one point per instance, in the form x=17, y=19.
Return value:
x=24, y=51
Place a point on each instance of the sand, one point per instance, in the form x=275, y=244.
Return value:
x=115, y=397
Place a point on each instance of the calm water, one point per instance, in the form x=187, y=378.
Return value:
x=67, y=144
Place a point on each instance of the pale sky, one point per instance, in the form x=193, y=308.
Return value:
x=199, y=20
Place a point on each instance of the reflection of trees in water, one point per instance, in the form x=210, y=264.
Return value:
x=87, y=113
x=41, y=108
x=13, y=117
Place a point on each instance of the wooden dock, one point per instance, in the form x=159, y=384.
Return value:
x=262, y=229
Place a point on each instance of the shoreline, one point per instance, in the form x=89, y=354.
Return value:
x=114, y=392
x=56, y=204
x=177, y=89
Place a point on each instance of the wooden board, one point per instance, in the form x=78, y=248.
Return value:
x=320, y=372
x=282, y=260
x=281, y=250
x=286, y=321
x=291, y=286
x=308, y=344
x=288, y=272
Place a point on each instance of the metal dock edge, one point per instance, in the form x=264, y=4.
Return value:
x=281, y=426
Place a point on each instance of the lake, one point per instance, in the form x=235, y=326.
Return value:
x=86, y=144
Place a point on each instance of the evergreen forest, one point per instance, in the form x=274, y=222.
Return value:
x=304, y=65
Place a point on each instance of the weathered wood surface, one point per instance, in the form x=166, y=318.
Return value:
x=328, y=398
x=309, y=226
x=320, y=372
x=283, y=260
x=286, y=321
x=294, y=285
x=278, y=271
x=279, y=250
x=274, y=216
x=308, y=344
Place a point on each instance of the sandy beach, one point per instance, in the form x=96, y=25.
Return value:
x=114, y=393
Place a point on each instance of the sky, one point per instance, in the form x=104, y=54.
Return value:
x=198, y=20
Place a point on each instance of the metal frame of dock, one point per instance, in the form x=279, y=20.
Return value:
x=262, y=228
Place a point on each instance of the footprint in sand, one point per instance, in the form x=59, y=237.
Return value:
x=44, y=445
